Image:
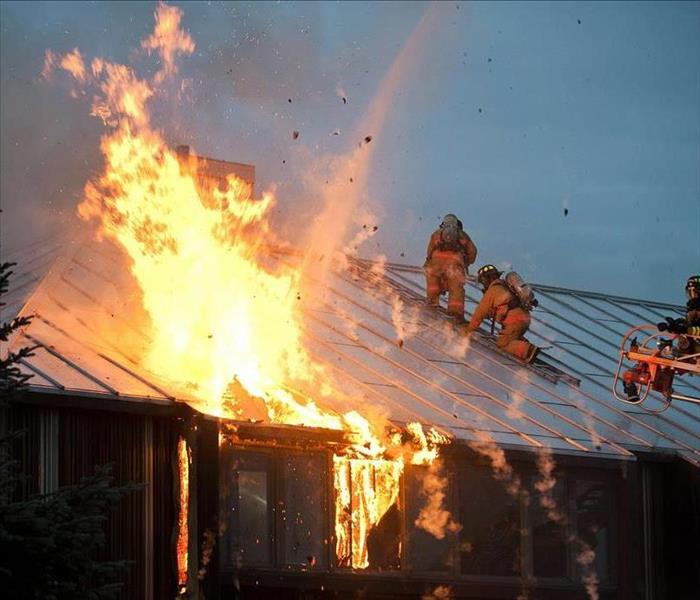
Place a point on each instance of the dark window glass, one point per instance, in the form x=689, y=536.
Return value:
x=490, y=517
x=245, y=484
x=304, y=513
x=593, y=524
x=549, y=532
x=425, y=551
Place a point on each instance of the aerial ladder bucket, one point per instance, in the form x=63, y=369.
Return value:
x=658, y=357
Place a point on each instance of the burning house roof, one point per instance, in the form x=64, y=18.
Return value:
x=427, y=374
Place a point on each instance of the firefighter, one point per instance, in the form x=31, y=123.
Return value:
x=503, y=306
x=690, y=325
x=450, y=252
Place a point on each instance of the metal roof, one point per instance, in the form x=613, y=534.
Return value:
x=32, y=263
x=368, y=324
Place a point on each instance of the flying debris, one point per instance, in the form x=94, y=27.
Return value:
x=368, y=139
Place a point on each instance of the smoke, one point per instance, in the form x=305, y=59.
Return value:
x=343, y=181
x=513, y=411
x=585, y=555
x=404, y=317
x=591, y=424
x=502, y=470
x=433, y=517
x=208, y=543
x=545, y=486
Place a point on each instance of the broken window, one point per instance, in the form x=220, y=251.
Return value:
x=426, y=551
x=594, y=508
x=246, y=486
x=548, y=518
x=490, y=517
x=304, y=513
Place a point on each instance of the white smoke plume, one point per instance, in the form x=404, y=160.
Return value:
x=502, y=470
x=545, y=486
x=433, y=517
x=342, y=180
x=585, y=556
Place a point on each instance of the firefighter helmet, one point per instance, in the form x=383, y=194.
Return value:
x=692, y=287
x=450, y=220
x=487, y=272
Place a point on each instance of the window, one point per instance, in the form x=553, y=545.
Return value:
x=490, y=517
x=368, y=513
x=425, y=551
x=549, y=545
x=304, y=511
x=246, y=487
x=593, y=503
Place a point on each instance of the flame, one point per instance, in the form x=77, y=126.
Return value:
x=366, y=489
x=168, y=40
x=223, y=317
x=183, y=468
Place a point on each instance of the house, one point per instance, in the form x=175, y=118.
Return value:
x=248, y=508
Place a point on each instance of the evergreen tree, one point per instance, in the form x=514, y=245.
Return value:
x=48, y=542
x=11, y=378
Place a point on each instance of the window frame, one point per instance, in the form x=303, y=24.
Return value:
x=277, y=503
x=612, y=485
x=609, y=475
x=280, y=502
x=228, y=558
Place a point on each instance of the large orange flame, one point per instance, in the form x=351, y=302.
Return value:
x=223, y=317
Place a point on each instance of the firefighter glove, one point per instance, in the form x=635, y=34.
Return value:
x=673, y=325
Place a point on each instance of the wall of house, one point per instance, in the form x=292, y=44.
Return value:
x=279, y=515
x=61, y=445
x=261, y=516
x=673, y=514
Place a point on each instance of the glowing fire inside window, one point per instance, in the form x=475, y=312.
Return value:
x=365, y=491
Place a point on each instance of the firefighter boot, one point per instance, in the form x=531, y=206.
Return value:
x=532, y=354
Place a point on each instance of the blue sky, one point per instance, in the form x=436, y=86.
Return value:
x=513, y=113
